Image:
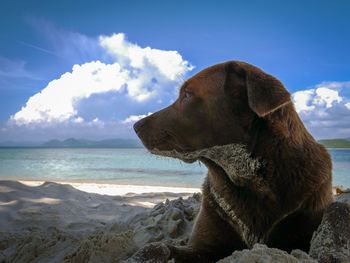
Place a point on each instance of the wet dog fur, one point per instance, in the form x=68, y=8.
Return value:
x=237, y=103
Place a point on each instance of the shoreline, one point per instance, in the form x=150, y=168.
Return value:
x=110, y=188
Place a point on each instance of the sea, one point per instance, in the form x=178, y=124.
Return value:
x=121, y=166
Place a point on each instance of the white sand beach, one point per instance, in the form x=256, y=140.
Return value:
x=55, y=222
x=118, y=189
x=90, y=222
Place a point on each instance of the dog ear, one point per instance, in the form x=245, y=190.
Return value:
x=265, y=93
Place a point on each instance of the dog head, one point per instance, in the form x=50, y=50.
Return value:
x=217, y=106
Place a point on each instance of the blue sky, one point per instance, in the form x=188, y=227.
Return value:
x=303, y=43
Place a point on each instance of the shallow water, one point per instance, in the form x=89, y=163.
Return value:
x=121, y=166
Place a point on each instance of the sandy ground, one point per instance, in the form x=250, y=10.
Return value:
x=85, y=222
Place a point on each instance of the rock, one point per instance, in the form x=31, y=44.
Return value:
x=151, y=253
x=343, y=197
x=171, y=220
x=331, y=241
x=263, y=254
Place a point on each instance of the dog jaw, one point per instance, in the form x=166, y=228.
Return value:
x=234, y=159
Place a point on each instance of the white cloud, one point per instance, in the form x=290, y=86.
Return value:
x=142, y=73
x=78, y=120
x=302, y=100
x=169, y=63
x=326, y=96
x=135, y=118
x=325, y=109
x=56, y=102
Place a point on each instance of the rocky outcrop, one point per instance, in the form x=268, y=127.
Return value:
x=170, y=221
x=331, y=242
x=263, y=254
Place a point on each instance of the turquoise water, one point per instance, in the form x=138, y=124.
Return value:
x=121, y=166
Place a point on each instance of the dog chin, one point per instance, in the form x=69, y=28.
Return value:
x=173, y=153
x=166, y=146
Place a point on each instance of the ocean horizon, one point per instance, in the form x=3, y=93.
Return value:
x=125, y=166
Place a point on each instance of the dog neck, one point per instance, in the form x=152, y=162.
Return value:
x=280, y=136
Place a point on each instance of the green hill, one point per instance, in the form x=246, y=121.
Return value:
x=335, y=143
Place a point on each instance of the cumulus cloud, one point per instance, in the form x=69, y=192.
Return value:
x=140, y=73
x=169, y=63
x=56, y=102
x=325, y=109
x=135, y=118
x=302, y=100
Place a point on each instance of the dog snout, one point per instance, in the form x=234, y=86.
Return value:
x=139, y=124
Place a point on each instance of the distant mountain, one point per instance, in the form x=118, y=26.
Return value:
x=78, y=143
x=126, y=143
x=335, y=143
x=71, y=142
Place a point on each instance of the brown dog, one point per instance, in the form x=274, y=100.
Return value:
x=235, y=102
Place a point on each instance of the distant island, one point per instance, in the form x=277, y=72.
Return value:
x=126, y=143
x=77, y=143
x=336, y=143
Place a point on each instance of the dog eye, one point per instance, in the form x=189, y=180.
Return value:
x=187, y=94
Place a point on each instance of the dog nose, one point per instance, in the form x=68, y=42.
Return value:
x=139, y=124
